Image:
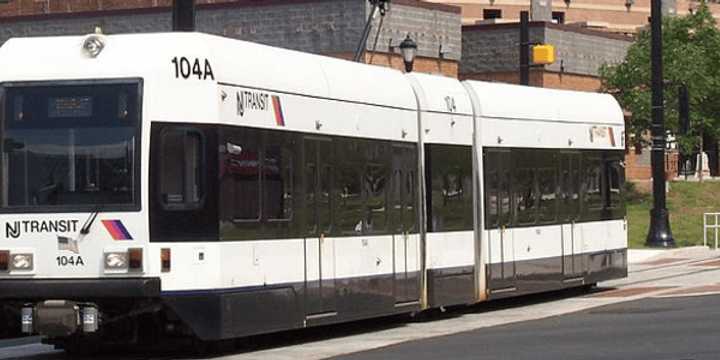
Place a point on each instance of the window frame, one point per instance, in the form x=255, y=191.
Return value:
x=489, y=14
x=202, y=163
x=231, y=139
x=137, y=205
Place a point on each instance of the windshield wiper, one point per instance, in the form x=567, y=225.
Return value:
x=91, y=219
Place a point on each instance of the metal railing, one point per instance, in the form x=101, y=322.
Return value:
x=714, y=226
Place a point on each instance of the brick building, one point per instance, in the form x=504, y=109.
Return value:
x=491, y=52
x=620, y=16
x=329, y=27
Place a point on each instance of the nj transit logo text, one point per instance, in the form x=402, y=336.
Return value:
x=16, y=228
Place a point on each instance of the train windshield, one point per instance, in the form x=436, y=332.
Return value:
x=69, y=147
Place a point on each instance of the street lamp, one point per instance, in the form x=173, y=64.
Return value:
x=408, y=49
x=659, y=234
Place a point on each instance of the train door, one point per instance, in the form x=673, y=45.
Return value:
x=572, y=239
x=404, y=214
x=502, y=272
x=319, y=247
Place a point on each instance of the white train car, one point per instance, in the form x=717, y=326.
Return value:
x=182, y=184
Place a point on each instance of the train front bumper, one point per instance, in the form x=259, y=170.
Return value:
x=79, y=289
x=62, y=307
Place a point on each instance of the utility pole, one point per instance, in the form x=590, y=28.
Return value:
x=377, y=5
x=183, y=15
x=524, y=48
x=659, y=234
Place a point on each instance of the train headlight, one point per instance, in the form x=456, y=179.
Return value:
x=93, y=45
x=23, y=262
x=116, y=261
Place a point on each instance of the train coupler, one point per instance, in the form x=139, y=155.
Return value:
x=59, y=318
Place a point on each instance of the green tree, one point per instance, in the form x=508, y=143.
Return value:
x=691, y=56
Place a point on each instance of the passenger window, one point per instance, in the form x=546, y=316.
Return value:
x=615, y=179
x=181, y=179
x=318, y=191
x=409, y=213
x=593, y=184
x=402, y=194
x=450, y=185
x=569, y=188
x=351, y=216
x=524, y=199
x=375, y=181
x=278, y=180
x=240, y=176
x=547, y=193
x=491, y=199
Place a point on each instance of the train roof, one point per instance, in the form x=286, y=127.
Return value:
x=250, y=65
x=506, y=101
x=233, y=61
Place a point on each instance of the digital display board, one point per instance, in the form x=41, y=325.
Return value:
x=70, y=107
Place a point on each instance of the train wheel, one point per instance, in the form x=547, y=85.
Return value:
x=201, y=347
x=81, y=347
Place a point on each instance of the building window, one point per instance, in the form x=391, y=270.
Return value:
x=492, y=14
x=558, y=17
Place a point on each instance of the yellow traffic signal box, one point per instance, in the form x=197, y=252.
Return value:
x=543, y=54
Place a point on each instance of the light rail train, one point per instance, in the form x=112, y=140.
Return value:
x=160, y=186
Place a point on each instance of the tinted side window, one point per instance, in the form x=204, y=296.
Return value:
x=491, y=194
x=615, y=179
x=570, y=186
x=278, y=183
x=593, y=183
x=183, y=192
x=410, y=179
x=240, y=158
x=403, y=190
x=181, y=178
x=497, y=167
x=450, y=187
x=350, y=208
x=547, y=186
x=524, y=196
x=375, y=182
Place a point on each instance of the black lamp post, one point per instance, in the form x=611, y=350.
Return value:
x=659, y=234
x=408, y=48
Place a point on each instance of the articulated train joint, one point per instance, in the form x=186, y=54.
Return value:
x=59, y=318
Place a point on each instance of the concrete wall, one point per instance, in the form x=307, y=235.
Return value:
x=429, y=28
x=582, y=52
x=495, y=48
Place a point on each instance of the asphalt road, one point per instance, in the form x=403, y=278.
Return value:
x=679, y=328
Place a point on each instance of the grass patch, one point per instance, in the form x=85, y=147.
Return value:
x=687, y=201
